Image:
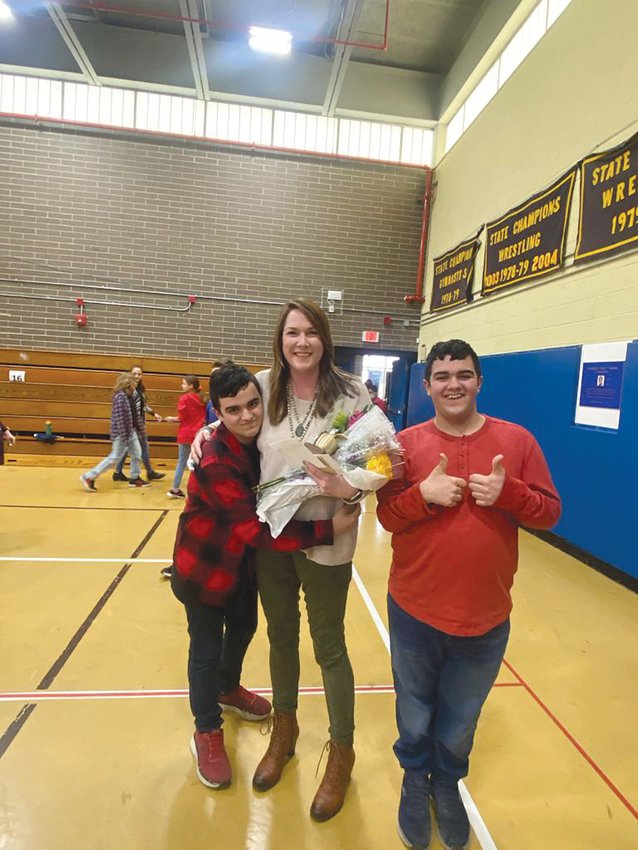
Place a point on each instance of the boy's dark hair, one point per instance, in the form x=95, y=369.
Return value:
x=228, y=380
x=455, y=349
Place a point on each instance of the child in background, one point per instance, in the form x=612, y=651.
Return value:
x=190, y=416
x=124, y=436
x=5, y=434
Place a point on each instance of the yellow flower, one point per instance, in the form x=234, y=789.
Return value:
x=381, y=464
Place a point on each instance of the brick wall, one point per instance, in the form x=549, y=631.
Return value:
x=152, y=221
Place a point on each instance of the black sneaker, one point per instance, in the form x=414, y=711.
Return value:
x=156, y=476
x=138, y=482
x=88, y=483
x=166, y=572
x=119, y=476
x=452, y=822
x=414, y=810
x=176, y=494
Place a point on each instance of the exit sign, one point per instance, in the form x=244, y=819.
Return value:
x=370, y=336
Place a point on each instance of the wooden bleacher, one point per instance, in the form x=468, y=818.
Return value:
x=74, y=392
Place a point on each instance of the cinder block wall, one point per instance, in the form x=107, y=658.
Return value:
x=144, y=217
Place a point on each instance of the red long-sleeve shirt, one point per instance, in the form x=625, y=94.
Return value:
x=191, y=412
x=453, y=568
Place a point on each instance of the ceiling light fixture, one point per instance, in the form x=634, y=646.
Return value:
x=5, y=11
x=270, y=41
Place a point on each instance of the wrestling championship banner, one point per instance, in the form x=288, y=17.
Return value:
x=608, y=221
x=453, y=273
x=529, y=241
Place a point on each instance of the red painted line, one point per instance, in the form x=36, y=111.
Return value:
x=43, y=695
x=573, y=741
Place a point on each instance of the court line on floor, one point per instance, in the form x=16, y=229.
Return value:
x=159, y=693
x=130, y=561
x=478, y=824
x=90, y=508
x=572, y=740
x=169, y=693
x=26, y=711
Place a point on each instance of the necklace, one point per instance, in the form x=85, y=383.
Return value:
x=302, y=425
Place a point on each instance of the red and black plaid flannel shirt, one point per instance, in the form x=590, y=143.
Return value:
x=219, y=530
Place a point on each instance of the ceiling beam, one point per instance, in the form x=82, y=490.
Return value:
x=347, y=26
x=72, y=42
x=195, y=46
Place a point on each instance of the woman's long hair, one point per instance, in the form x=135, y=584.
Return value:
x=123, y=384
x=333, y=381
x=140, y=384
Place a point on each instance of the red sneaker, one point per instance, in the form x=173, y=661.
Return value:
x=213, y=767
x=249, y=705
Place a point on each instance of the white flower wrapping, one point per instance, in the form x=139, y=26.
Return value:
x=368, y=439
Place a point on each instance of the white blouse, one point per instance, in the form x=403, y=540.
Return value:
x=273, y=465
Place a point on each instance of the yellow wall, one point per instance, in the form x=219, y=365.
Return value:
x=575, y=93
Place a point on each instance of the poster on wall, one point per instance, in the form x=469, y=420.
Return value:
x=599, y=395
x=529, y=241
x=453, y=274
x=608, y=222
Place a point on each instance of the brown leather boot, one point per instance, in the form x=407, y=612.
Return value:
x=332, y=791
x=283, y=738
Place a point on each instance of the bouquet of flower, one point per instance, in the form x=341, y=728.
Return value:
x=364, y=449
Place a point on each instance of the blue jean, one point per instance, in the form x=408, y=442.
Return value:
x=183, y=451
x=119, y=448
x=441, y=683
x=146, y=458
x=219, y=638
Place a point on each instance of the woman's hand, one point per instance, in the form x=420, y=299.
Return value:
x=329, y=483
x=9, y=437
x=158, y=418
x=201, y=437
x=345, y=519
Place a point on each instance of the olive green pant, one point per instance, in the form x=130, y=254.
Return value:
x=280, y=577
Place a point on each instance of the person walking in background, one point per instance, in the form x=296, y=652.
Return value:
x=5, y=434
x=191, y=411
x=373, y=390
x=142, y=408
x=470, y=481
x=214, y=571
x=124, y=435
x=211, y=416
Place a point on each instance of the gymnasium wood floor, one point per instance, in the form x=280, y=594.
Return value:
x=95, y=723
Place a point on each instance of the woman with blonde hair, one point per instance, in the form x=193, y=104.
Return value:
x=124, y=435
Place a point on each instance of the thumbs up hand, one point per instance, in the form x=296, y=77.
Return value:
x=487, y=488
x=439, y=488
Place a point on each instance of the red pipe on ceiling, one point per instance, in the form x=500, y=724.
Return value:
x=418, y=297
x=166, y=16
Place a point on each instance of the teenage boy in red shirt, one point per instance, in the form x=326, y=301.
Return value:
x=470, y=481
x=213, y=571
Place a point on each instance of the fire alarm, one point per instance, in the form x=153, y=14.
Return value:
x=387, y=320
x=192, y=299
x=81, y=319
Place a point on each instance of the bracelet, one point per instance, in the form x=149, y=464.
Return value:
x=354, y=500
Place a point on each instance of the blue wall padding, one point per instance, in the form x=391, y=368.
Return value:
x=594, y=469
